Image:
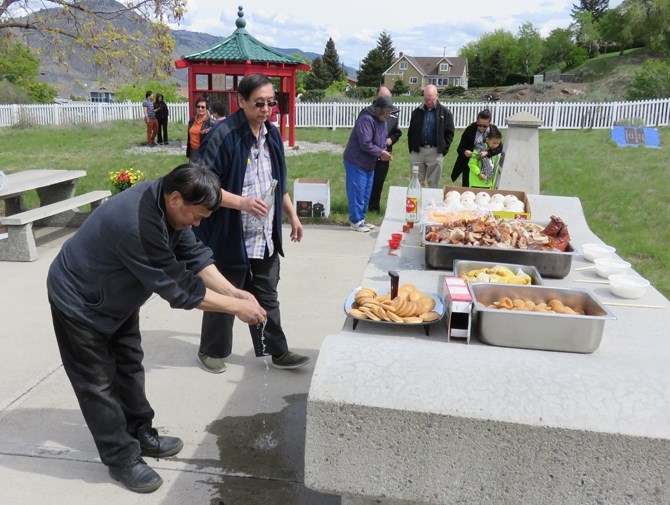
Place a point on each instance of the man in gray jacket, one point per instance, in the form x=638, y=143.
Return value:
x=138, y=243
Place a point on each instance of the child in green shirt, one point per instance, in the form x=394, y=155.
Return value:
x=484, y=171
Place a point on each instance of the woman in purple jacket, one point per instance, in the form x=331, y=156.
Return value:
x=367, y=144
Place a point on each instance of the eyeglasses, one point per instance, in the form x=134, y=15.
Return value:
x=201, y=107
x=269, y=103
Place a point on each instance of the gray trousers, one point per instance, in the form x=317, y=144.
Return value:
x=429, y=162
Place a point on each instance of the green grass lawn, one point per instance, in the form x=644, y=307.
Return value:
x=622, y=190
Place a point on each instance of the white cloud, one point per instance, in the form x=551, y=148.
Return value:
x=429, y=29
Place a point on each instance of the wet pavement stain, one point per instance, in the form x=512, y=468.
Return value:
x=262, y=458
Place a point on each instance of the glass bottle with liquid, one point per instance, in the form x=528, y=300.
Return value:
x=413, y=198
x=269, y=199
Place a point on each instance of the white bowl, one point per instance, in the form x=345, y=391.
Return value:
x=628, y=286
x=593, y=251
x=609, y=266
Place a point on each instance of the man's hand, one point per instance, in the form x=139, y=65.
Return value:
x=254, y=206
x=251, y=312
x=385, y=156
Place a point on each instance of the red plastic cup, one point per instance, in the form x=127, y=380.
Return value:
x=406, y=228
x=410, y=224
x=394, y=244
x=396, y=236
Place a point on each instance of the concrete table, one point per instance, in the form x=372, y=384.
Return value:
x=397, y=417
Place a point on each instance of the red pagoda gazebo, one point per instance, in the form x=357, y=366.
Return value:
x=215, y=72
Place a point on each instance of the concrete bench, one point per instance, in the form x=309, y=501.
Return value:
x=20, y=244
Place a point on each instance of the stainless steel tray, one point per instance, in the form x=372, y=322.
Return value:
x=538, y=330
x=548, y=263
x=463, y=267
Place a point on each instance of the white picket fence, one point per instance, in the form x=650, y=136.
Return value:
x=554, y=116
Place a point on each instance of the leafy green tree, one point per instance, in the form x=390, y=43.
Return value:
x=377, y=61
x=21, y=67
x=587, y=33
x=649, y=21
x=597, y=8
x=114, y=36
x=529, y=49
x=651, y=81
x=615, y=26
x=136, y=92
x=492, y=48
x=331, y=62
x=558, y=47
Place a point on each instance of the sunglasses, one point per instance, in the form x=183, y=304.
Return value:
x=269, y=103
x=482, y=125
x=201, y=107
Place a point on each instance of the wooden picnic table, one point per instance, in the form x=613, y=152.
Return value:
x=57, y=207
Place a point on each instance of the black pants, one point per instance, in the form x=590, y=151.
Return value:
x=107, y=376
x=162, y=131
x=381, y=170
x=261, y=280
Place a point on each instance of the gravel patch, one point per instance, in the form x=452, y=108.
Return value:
x=179, y=147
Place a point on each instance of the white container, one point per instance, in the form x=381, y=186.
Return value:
x=628, y=286
x=311, y=197
x=592, y=251
x=610, y=265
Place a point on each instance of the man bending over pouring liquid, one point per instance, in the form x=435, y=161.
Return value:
x=138, y=243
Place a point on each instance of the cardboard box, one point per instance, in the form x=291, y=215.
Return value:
x=498, y=213
x=311, y=197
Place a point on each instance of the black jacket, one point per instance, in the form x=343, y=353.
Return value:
x=445, y=129
x=467, y=143
x=394, y=132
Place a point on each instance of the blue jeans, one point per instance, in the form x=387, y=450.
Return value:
x=359, y=186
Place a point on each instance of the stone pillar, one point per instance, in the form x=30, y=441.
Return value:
x=521, y=166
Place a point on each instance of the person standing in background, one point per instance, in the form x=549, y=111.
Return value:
x=198, y=127
x=430, y=134
x=366, y=145
x=150, y=118
x=162, y=113
x=473, y=139
x=382, y=167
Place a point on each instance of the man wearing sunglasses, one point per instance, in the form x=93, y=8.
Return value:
x=473, y=138
x=247, y=152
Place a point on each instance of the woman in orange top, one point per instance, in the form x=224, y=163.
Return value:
x=198, y=126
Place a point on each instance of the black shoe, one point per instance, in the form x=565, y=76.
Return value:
x=137, y=476
x=156, y=446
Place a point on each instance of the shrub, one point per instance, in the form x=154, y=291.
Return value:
x=453, y=91
x=651, y=81
x=361, y=92
x=313, y=95
x=400, y=88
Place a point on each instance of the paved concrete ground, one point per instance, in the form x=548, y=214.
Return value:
x=243, y=430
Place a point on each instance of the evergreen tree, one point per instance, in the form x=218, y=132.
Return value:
x=317, y=78
x=597, y=8
x=376, y=62
x=332, y=66
x=476, y=73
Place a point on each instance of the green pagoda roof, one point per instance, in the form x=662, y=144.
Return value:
x=241, y=46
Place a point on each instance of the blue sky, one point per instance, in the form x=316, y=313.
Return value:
x=429, y=28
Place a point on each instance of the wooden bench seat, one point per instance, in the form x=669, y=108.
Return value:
x=20, y=243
